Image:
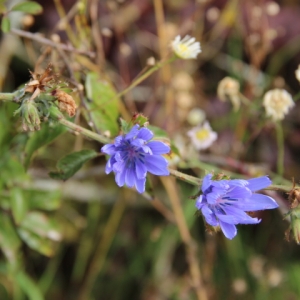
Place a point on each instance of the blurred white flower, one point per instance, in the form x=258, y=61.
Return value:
x=297, y=73
x=186, y=48
x=196, y=116
x=202, y=136
x=229, y=89
x=277, y=103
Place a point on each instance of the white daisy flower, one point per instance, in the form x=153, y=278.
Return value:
x=186, y=48
x=277, y=103
x=202, y=136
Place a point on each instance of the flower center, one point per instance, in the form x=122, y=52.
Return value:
x=183, y=48
x=202, y=134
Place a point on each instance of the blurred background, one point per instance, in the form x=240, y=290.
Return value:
x=97, y=241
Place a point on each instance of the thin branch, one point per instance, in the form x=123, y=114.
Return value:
x=38, y=38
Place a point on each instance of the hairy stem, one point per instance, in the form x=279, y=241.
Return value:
x=76, y=128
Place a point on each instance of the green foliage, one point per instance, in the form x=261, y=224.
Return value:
x=45, y=200
x=70, y=164
x=9, y=240
x=29, y=287
x=29, y=7
x=5, y=24
x=18, y=205
x=39, y=231
x=46, y=135
x=101, y=110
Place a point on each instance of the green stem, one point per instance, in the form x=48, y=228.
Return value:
x=88, y=133
x=280, y=146
x=143, y=77
x=8, y=96
x=187, y=178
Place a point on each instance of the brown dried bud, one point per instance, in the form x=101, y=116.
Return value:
x=294, y=197
x=65, y=102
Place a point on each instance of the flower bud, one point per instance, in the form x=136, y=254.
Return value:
x=30, y=116
x=229, y=89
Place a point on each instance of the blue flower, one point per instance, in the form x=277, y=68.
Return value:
x=224, y=203
x=133, y=155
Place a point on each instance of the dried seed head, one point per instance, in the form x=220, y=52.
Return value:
x=65, y=102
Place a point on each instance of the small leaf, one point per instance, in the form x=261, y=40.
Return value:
x=29, y=287
x=125, y=127
x=41, y=138
x=70, y=164
x=29, y=7
x=102, y=111
x=18, y=205
x=5, y=24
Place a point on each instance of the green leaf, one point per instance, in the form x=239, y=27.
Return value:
x=102, y=112
x=29, y=287
x=46, y=200
x=5, y=24
x=37, y=243
x=41, y=138
x=9, y=240
x=125, y=127
x=70, y=164
x=41, y=225
x=29, y=7
x=18, y=205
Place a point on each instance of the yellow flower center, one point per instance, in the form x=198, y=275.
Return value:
x=202, y=134
x=183, y=48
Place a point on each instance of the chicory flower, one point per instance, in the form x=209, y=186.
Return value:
x=224, y=203
x=133, y=155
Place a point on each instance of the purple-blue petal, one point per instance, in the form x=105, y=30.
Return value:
x=118, y=140
x=145, y=134
x=140, y=185
x=140, y=169
x=109, y=149
x=199, y=203
x=157, y=165
x=238, y=216
x=120, y=177
x=206, y=182
x=238, y=192
x=257, y=202
x=130, y=177
x=229, y=230
x=259, y=183
x=209, y=216
x=158, y=147
x=132, y=133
